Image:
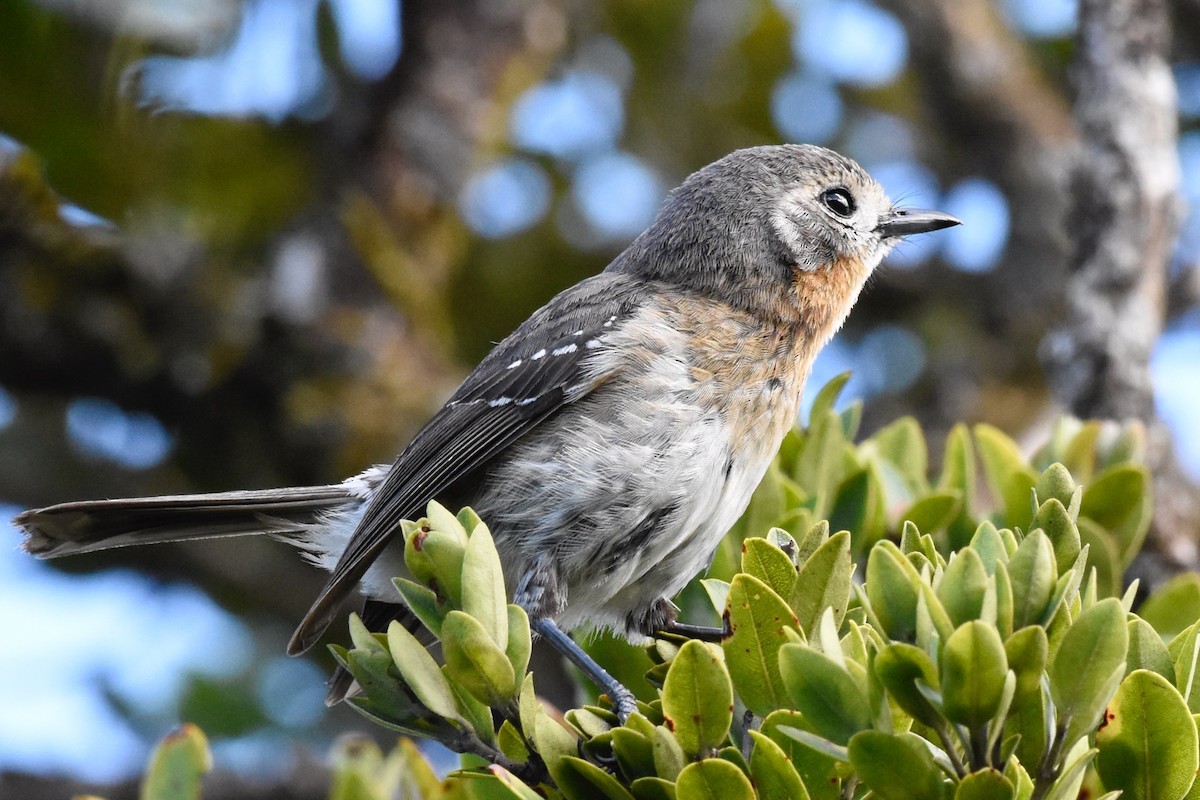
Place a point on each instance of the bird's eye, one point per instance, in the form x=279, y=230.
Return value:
x=839, y=201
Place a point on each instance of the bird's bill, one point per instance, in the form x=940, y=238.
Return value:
x=903, y=222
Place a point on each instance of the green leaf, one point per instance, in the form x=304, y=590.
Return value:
x=855, y=505
x=717, y=591
x=421, y=672
x=1148, y=743
x=468, y=519
x=511, y=787
x=986, y=784
x=1026, y=652
x=713, y=779
x=1147, y=650
x=902, y=443
x=528, y=708
x=827, y=396
x=757, y=618
x=423, y=602
x=1103, y=555
x=1119, y=500
x=357, y=767
x=958, y=474
x=634, y=752
x=973, y=669
x=474, y=661
x=899, y=666
x=1026, y=724
x=769, y=564
x=416, y=776
x=913, y=541
x=1020, y=779
x=370, y=669
x=896, y=767
x=931, y=618
x=1184, y=650
x=698, y=699
x=668, y=754
x=774, y=775
x=552, y=739
x=436, y=559
x=1091, y=652
x=520, y=642
x=362, y=638
x=1056, y=482
x=440, y=519
x=851, y=418
x=734, y=756
x=1009, y=477
x=483, y=595
x=817, y=744
x=1052, y=517
x=833, y=703
x=1004, y=601
x=823, y=582
x=475, y=714
x=583, y=780
x=1034, y=575
x=653, y=788
x=818, y=771
x=511, y=743
x=177, y=765
x=785, y=541
x=1070, y=777
x=1173, y=606
x=591, y=722
x=933, y=511
x=963, y=586
x=988, y=545
x=891, y=585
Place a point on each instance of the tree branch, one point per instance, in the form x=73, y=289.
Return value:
x=1124, y=218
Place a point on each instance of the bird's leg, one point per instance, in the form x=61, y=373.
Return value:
x=541, y=593
x=624, y=703
x=705, y=633
x=662, y=618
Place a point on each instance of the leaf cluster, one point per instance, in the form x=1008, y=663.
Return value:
x=888, y=635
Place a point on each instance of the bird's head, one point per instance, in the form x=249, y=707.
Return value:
x=767, y=222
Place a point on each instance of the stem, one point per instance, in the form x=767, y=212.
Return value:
x=531, y=772
x=979, y=756
x=950, y=747
x=747, y=742
x=1047, y=769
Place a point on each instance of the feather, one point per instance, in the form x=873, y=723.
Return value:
x=543, y=366
x=90, y=525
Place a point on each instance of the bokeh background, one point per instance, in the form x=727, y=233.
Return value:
x=250, y=243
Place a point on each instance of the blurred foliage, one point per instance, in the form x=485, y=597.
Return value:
x=983, y=652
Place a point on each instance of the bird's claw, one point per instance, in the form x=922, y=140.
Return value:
x=623, y=703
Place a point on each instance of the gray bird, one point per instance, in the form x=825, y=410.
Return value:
x=613, y=438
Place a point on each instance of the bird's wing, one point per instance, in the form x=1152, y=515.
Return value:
x=541, y=367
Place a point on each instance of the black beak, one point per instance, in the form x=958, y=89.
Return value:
x=903, y=222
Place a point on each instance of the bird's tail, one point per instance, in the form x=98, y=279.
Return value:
x=83, y=527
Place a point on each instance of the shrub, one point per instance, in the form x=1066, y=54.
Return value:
x=981, y=648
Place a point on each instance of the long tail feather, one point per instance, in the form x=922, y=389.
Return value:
x=83, y=527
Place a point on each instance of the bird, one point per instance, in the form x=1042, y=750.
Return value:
x=613, y=438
